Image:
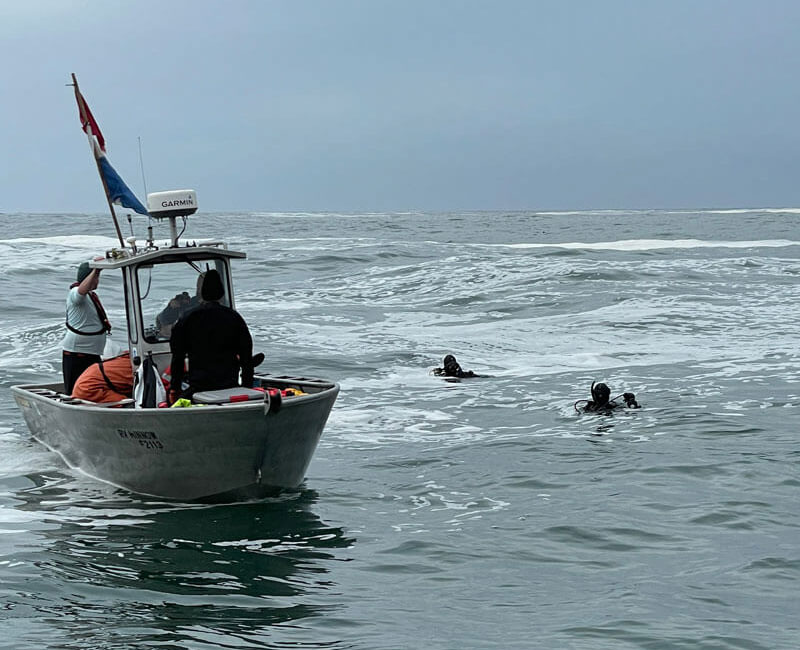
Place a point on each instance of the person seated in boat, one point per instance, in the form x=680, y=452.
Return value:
x=87, y=326
x=216, y=341
x=451, y=368
x=601, y=402
x=178, y=306
x=106, y=381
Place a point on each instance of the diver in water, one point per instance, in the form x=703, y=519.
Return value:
x=600, y=402
x=451, y=368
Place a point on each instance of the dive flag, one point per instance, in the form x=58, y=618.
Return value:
x=118, y=192
x=88, y=123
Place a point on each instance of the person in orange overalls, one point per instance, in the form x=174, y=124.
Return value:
x=107, y=381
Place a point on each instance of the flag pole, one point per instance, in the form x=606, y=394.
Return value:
x=85, y=121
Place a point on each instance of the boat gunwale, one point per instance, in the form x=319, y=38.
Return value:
x=58, y=400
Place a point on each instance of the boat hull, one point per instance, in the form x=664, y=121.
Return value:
x=184, y=453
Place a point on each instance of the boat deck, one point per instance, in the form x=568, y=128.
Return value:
x=306, y=385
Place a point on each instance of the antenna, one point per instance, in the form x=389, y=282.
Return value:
x=132, y=238
x=141, y=164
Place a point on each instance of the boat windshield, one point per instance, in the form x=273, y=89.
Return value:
x=170, y=290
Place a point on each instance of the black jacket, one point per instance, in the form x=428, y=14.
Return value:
x=217, y=342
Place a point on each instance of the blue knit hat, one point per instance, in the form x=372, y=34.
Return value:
x=83, y=271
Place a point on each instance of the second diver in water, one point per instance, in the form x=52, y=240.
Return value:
x=600, y=402
x=451, y=368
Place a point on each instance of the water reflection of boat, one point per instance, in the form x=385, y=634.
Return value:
x=234, y=569
x=249, y=441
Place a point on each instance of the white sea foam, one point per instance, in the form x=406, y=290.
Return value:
x=655, y=244
x=331, y=215
x=89, y=242
x=747, y=211
x=588, y=213
x=563, y=213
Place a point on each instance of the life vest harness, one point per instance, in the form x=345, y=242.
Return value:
x=101, y=314
x=108, y=381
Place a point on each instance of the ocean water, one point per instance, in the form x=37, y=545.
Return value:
x=478, y=514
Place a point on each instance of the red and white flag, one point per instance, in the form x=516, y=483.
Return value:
x=88, y=123
x=116, y=189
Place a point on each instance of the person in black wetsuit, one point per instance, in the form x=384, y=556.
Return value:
x=600, y=402
x=217, y=342
x=451, y=368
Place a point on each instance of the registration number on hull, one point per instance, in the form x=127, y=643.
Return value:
x=146, y=439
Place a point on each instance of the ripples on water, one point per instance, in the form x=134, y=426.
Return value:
x=482, y=513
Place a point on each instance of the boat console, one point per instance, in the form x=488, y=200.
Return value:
x=162, y=283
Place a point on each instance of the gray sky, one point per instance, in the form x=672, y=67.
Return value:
x=362, y=105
